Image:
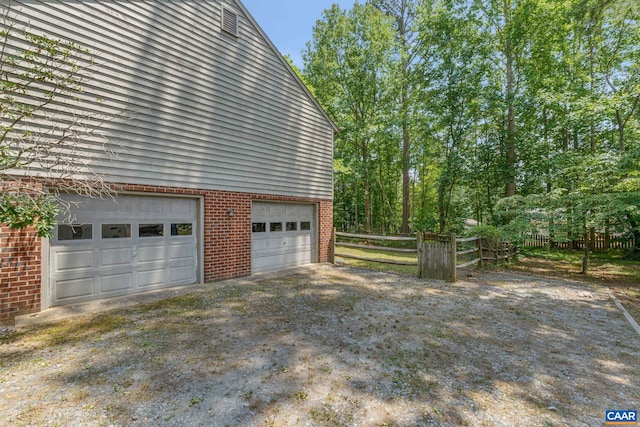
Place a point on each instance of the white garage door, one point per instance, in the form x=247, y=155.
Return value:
x=116, y=248
x=282, y=235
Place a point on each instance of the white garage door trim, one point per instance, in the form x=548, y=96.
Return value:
x=157, y=245
x=282, y=235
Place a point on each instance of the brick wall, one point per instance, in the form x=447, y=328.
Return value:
x=227, y=246
x=20, y=274
x=227, y=239
x=326, y=230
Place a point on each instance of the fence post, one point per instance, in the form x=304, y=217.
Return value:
x=332, y=256
x=453, y=259
x=480, y=240
x=419, y=239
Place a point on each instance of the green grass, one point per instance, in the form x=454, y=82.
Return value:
x=575, y=255
x=75, y=331
x=604, y=266
x=377, y=254
x=611, y=258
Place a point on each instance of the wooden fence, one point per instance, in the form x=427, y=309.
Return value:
x=442, y=259
x=368, y=241
x=438, y=257
x=599, y=241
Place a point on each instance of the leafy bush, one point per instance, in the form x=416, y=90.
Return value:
x=488, y=232
x=632, y=254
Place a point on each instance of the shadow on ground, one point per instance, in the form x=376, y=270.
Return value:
x=332, y=346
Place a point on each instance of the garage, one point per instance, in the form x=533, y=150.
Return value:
x=134, y=244
x=282, y=235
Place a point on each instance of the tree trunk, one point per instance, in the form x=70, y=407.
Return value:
x=585, y=258
x=406, y=150
x=442, y=214
x=621, y=125
x=355, y=209
x=367, y=193
x=367, y=207
x=511, y=115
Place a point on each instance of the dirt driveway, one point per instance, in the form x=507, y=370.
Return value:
x=332, y=346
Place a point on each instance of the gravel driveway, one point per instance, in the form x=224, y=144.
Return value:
x=331, y=346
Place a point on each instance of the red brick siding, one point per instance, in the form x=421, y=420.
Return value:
x=325, y=229
x=227, y=245
x=20, y=272
x=227, y=239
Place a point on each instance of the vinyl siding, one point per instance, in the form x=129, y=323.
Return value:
x=189, y=105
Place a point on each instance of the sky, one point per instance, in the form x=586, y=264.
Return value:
x=289, y=23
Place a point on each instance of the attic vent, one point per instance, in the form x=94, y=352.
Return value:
x=230, y=21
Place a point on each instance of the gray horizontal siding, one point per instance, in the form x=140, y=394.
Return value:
x=192, y=106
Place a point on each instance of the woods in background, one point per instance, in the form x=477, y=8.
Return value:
x=522, y=114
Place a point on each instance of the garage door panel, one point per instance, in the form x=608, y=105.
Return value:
x=259, y=263
x=179, y=209
x=74, y=260
x=74, y=288
x=116, y=283
x=119, y=257
x=304, y=240
x=154, y=253
x=276, y=260
x=276, y=211
x=291, y=212
x=306, y=213
x=178, y=251
x=291, y=241
x=291, y=258
x=260, y=211
x=259, y=244
x=181, y=274
x=153, y=277
x=275, y=243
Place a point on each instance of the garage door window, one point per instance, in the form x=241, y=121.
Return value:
x=305, y=226
x=181, y=229
x=259, y=227
x=151, y=230
x=275, y=227
x=292, y=226
x=75, y=232
x=116, y=231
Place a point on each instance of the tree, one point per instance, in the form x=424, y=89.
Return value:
x=507, y=27
x=45, y=122
x=404, y=14
x=612, y=34
x=453, y=73
x=348, y=63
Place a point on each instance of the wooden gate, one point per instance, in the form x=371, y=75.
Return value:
x=435, y=261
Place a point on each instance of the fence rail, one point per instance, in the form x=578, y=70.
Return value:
x=368, y=245
x=372, y=237
x=380, y=260
x=380, y=248
x=477, y=242
x=438, y=257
